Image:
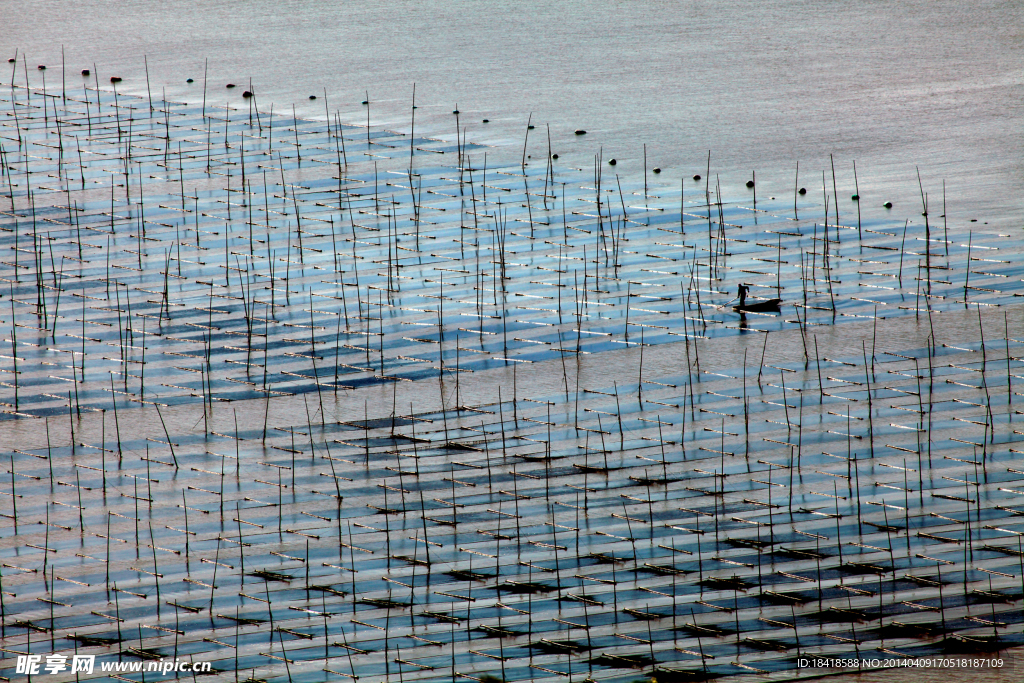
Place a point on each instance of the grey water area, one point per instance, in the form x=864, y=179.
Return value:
x=928, y=85
x=315, y=400
x=323, y=390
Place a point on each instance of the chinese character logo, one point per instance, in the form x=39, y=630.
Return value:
x=83, y=663
x=28, y=664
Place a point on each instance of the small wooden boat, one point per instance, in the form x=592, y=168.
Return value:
x=758, y=306
x=764, y=306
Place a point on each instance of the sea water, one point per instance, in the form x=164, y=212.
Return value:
x=895, y=88
x=922, y=86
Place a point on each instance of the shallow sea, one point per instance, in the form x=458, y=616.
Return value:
x=928, y=86
x=894, y=87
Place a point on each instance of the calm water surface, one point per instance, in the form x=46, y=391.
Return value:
x=934, y=85
x=892, y=86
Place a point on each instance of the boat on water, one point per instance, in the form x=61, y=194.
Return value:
x=755, y=306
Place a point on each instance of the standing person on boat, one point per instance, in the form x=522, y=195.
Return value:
x=742, y=294
x=762, y=305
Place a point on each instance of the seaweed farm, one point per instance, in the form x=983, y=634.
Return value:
x=340, y=402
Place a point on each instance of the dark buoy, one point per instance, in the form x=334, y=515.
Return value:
x=657, y=169
x=188, y=80
x=855, y=197
x=554, y=156
x=10, y=60
x=487, y=120
x=85, y=72
x=974, y=220
x=115, y=79
x=887, y=205
x=580, y=131
x=696, y=176
x=803, y=190
x=530, y=127
x=41, y=67
x=750, y=183
x=612, y=162
x=365, y=102
x=230, y=85
x=454, y=111
x=312, y=97
x=247, y=94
